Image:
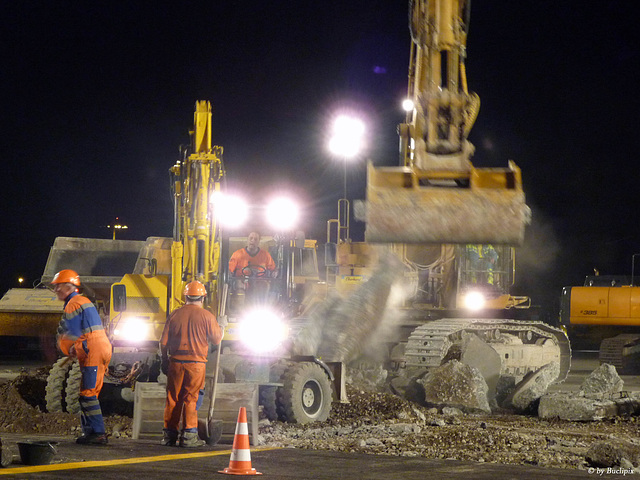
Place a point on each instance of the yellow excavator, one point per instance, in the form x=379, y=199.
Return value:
x=297, y=388
x=436, y=195
x=604, y=314
x=452, y=225
x=139, y=302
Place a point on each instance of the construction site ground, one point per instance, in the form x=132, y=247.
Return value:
x=445, y=447
x=145, y=459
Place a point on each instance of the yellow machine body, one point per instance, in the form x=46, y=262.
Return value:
x=604, y=306
x=437, y=277
x=165, y=265
x=146, y=309
x=604, y=314
x=302, y=280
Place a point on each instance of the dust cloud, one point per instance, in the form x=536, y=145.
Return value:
x=341, y=328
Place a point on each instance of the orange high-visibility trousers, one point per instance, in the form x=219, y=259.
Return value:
x=184, y=382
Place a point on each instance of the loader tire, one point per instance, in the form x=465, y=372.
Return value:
x=56, y=382
x=72, y=389
x=306, y=394
x=268, y=402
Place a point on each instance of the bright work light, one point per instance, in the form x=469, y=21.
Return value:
x=282, y=214
x=134, y=329
x=262, y=331
x=474, y=301
x=231, y=210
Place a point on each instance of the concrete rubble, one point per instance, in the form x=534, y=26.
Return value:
x=602, y=381
x=620, y=453
x=456, y=384
x=379, y=423
x=600, y=396
x=463, y=386
x=526, y=394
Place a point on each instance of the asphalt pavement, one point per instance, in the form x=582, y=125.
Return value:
x=146, y=459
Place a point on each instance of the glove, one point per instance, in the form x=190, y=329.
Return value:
x=223, y=322
x=164, y=367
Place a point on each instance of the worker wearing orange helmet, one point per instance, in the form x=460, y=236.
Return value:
x=184, y=347
x=83, y=336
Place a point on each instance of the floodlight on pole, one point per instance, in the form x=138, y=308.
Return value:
x=346, y=143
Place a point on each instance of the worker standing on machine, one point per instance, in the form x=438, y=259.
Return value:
x=184, y=347
x=82, y=335
x=252, y=259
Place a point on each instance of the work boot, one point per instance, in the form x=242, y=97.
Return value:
x=169, y=437
x=92, y=439
x=191, y=440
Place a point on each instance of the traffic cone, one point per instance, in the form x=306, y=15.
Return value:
x=240, y=461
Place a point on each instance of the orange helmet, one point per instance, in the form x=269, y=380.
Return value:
x=66, y=276
x=195, y=289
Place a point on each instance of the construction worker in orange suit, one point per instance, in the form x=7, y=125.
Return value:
x=83, y=336
x=184, y=347
x=252, y=256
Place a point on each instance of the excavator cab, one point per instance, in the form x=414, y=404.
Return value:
x=253, y=285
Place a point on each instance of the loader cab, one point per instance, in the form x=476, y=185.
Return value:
x=296, y=267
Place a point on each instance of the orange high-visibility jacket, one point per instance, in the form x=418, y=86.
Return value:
x=241, y=259
x=188, y=331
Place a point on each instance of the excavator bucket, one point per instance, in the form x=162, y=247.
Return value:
x=485, y=206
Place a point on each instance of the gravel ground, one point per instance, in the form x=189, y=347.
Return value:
x=23, y=409
x=374, y=423
x=383, y=424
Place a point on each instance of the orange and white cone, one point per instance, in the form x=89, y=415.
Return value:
x=240, y=461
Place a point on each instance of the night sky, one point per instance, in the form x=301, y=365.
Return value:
x=97, y=96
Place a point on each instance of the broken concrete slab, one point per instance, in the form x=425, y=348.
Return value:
x=603, y=380
x=532, y=387
x=456, y=384
x=480, y=355
x=577, y=407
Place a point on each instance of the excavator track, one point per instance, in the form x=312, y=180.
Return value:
x=623, y=352
x=429, y=344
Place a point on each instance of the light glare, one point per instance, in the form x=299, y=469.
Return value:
x=474, y=301
x=230, y=210
x=347, y=137
x=133, y=329
x=408, y=105
x=262, y=330
x=282, y=214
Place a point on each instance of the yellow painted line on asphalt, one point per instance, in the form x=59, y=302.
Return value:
x=120, y=461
